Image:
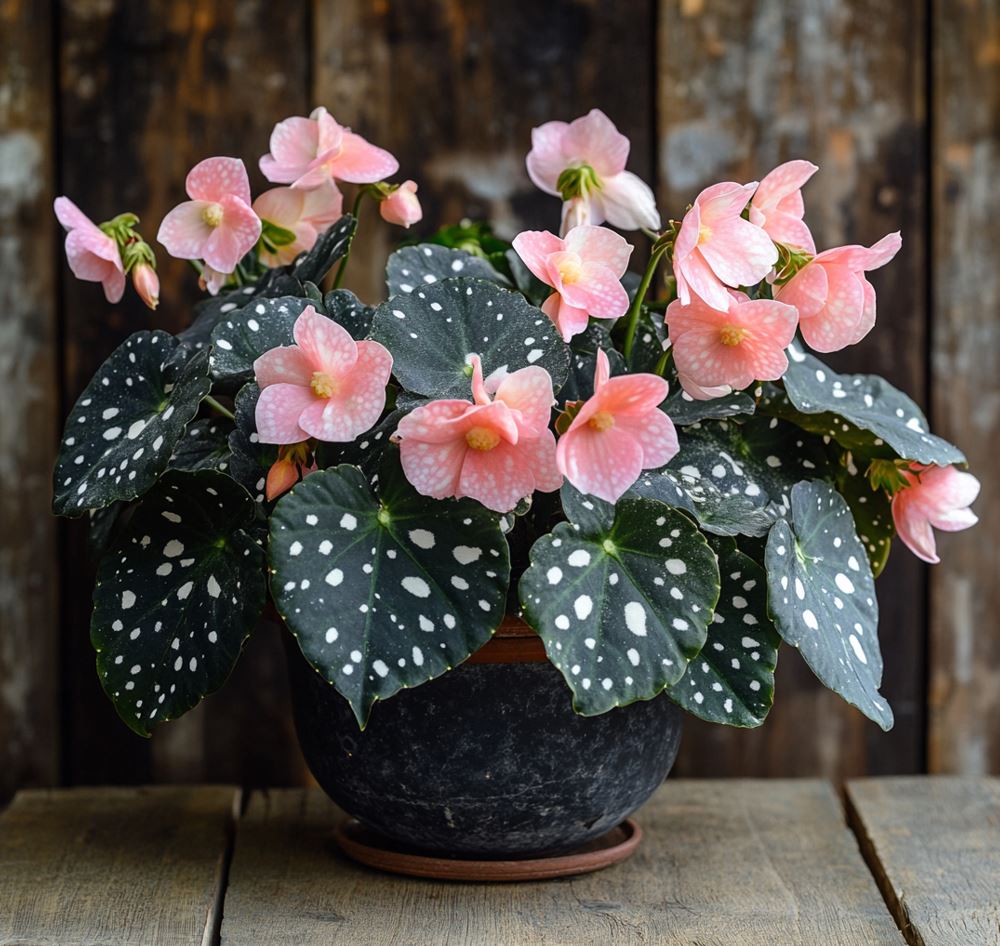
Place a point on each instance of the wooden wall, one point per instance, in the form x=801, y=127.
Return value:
x=897, y=100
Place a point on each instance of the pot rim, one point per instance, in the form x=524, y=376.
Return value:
x=513, y=642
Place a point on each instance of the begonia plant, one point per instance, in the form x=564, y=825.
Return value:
x=653, y=470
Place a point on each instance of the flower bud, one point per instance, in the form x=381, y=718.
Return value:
x=282, y=476
x=402, y=207
x=147, y=284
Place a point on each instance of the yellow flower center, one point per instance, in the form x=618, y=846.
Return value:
x=602, y=420
x=212, y=215
x=570, y=270
x=704, y=234
x=482, y=438
x=322, y=384
x=732, y=335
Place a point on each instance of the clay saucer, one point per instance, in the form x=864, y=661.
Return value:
x=369, y=848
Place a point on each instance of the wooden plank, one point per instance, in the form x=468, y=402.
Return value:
x=964, y=697
x=754, y=863
x=29, y=565
x=743, y=86
x=114, y=867
x=453, y=89
x=934, y=845
x=147, y=90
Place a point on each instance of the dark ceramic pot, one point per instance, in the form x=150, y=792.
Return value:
x=487, y=761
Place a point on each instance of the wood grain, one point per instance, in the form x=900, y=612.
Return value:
x=147, y=90
x=742, y=86
x=30, y=412
x=964, y=692
x=934, y=845
x=453, y=89
x=722, y=862
x=114, y=867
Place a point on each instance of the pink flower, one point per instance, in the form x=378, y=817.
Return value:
x=618, y=433
x=495, y=451
x=594, y=145
x=305, y=152
x=402, y=206
x=325, y=386
x=212, y=279
x=218, y=224
x=836, y=303
x=584, y=269
x=777, y=206
x=716, y=247
x=937, y=496
x=305, y=213
x=93, y=256
x=147, y=284
x=732, y=349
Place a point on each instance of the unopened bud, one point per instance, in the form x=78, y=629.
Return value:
x=402, y=206
x=147, y=284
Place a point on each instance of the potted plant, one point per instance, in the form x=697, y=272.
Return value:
x=520, y=515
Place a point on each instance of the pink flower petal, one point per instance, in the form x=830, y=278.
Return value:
x=602, y=370
x=528, y=390
x=739, y=253
x=790, y=230
x=534, y=247
x=603, y=463
x=539, y=455
x=836, y=325
x=914, y=528
x=594, y=140
x=632, y=394
x=327, y=345
x=281, y=206
x=323, y=206
x=362, y=163
x=278, y=410
x=498, y=478
x=628, y=202
x=234, y=237
x=687, y=236
x=863, y=258
x=785, y=180
x=433, y=469
x=546, y=161
x=92, y=256
x=701, y=281
x=807, y=290
x=433, y=423
x=656, y=435
x=599, y=245
x=114, y=285
x=568, y=319
x=599, y=291
x=284, y=365
x=71, y=216
x=215, y=178
x=293, y=145
x=723, y=201
x=185, y=233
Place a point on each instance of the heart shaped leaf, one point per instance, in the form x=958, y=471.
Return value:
x=433, y=332
x=416, y=267
x=384, y=592
x=732, y=680
x=866, y=402
x=330, y=247
x=240, y=339
x=210, y=312
x=621, y=606
x=821, y=595
x=347, y=310
x=176, y=596
x=123, y=429
x=204, y=446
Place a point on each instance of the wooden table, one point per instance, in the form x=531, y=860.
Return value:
x=723, y=863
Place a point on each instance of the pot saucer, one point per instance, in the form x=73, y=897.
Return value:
x=373, y=850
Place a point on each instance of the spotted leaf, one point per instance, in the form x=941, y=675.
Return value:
x=583, y=360
x=204, y=446
x=239, y=340
x=177, y=594
x=821, y=596
x=416, y=267
x=621, y=606
x=732, y=680
x=330, y=247
x=433, y=332
x=684, y=410
x=250, y=459
x=123, y=429
x=384, y=592
x=347, y=310
x=210, y=312
x=872, y=512
x=862, y=410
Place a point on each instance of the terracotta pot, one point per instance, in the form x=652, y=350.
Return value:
x=487, y=761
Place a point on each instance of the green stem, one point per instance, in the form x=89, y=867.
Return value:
x=661, y=365
x=338, y=279
x=221, y=408
x=640, y=296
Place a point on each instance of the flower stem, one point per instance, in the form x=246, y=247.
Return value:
x=636, y=307
x=661, y=365
x=222, y=409
x=343, y=263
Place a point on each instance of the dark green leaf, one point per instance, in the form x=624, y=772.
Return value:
x=433, y=332
x=176, y=596
x=623, y=607
x=583, y=360
x=250, y=458
x=872, y=511
x=209, y=312
x=122, y=430
x=416, y=267
x=388, y=592
x=684, y=410
x=821, y=596
x=347, y=310
x=204, y=446
x=330, y=247
x=732, y=680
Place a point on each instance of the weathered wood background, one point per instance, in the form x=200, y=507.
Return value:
x=112, y=101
